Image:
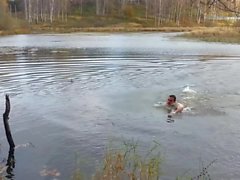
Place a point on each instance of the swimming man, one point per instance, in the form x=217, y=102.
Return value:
x=173, y=106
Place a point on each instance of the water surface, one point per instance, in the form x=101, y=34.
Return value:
x=72, y=94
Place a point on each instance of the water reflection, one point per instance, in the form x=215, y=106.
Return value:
x=10, y=164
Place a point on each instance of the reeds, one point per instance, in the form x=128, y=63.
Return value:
x=129, y=164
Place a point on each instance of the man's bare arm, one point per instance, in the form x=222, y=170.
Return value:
x=179, y=108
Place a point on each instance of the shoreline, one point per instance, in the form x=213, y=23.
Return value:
x=47, y=30
x=208, y=34
x=116, y=29
x=215, y=34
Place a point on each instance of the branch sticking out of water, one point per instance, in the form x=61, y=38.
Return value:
x=10, y=164
x=5, y=121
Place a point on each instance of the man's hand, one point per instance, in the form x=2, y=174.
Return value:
x=171, y=114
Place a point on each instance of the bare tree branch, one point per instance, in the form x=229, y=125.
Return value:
x=5, y=121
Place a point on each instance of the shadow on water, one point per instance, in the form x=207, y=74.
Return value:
x=10, y=164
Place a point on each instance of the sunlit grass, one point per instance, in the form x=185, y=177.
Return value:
x=11, y=25
x=122, y=28
x=228, y=35
x=127, y=163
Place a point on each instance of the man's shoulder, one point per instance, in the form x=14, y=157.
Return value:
x=179, y=104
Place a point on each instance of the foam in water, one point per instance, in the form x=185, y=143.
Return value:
x=188, y=97
x=188, y=90
x=158, y=104
x=187, y=109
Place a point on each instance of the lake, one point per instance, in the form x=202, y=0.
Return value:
x=72, y=95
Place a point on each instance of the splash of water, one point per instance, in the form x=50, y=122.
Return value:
x=187, y=89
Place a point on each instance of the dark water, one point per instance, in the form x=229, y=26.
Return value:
x=73, y=94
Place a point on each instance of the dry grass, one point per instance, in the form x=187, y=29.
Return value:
x=127, y=164
x=112, y=29
x=202, y=175
x=216, y=34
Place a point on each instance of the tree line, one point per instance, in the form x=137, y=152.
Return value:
x=161, y=11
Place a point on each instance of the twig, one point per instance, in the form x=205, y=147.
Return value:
x=204, y=171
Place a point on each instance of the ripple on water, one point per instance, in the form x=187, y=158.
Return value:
x=82, y=96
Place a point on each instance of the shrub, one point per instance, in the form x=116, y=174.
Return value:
x=128, y=11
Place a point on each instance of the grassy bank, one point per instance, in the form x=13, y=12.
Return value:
x=105, y=24
x=15, y=31
x=216, y=34
x=228, y=34
x=209, y=34
x=111, y=29
x=10, y=26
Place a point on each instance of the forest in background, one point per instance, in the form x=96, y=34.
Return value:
x=25, y=14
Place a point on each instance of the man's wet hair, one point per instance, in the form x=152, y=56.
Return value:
x=173, y=96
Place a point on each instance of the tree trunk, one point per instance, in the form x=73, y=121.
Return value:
x=160, y=13
x=51, y=10
x=97, y=7
x=29, y=11
x=26, y=9
x=146, y=9
x=81, y=7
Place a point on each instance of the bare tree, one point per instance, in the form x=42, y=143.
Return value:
x=170, y=11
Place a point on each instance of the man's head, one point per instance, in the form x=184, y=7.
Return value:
x=171, y=100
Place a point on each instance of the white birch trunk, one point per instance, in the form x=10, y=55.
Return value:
x=29, y=11
x=26, y=9
x=51, y=10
